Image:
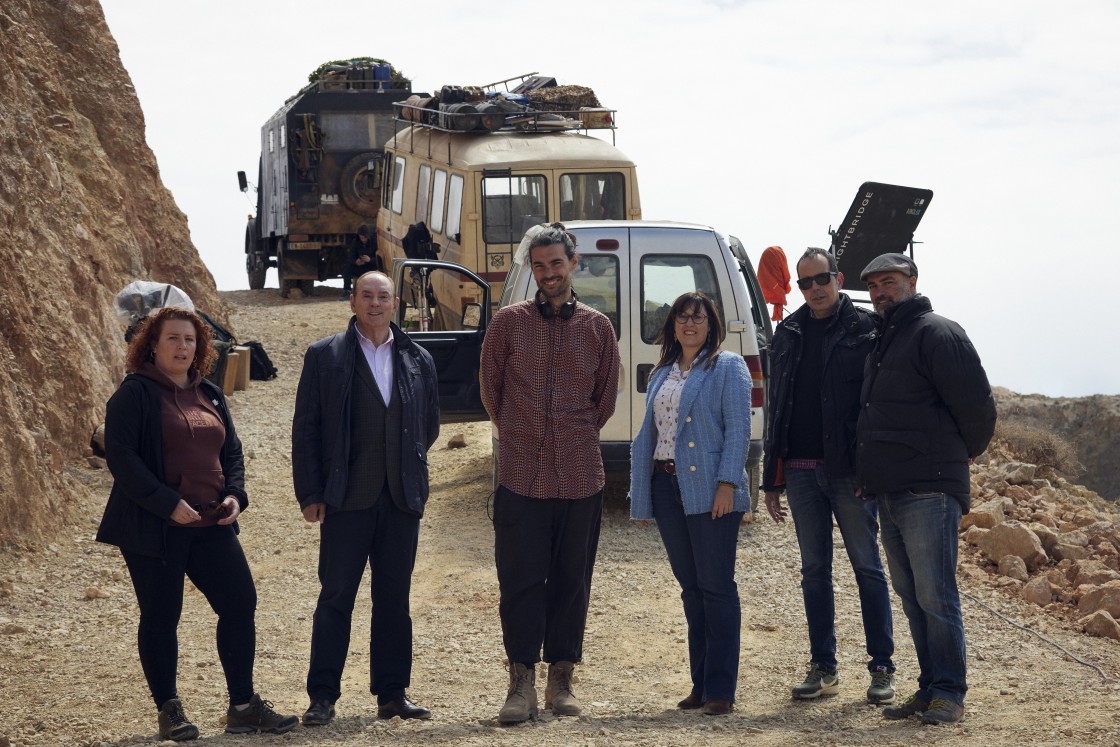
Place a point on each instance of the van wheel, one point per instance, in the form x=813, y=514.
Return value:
x=361, y=188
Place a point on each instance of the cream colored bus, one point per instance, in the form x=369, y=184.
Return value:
x=477, y=193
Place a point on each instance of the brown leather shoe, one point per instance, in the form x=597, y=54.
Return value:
x=717, y=708
x=691, y=703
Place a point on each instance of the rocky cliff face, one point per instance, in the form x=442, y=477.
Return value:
x=82, y=213
x=1091, y=424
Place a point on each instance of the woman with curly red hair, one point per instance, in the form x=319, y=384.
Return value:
x=178, y=488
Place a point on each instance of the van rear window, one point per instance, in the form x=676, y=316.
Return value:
x=664, y=278
x=595, y=280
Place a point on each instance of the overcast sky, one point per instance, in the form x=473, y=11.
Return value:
x=759, y=118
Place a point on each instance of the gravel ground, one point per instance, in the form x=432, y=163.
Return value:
x=69, y=674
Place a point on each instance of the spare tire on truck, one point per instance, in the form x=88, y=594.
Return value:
x=360, y=188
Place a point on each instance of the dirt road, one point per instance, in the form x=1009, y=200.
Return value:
x=69, y=674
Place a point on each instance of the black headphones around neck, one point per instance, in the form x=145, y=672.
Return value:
x=546, y=310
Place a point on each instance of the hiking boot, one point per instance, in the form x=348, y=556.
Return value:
x=943, y=711
x=817, y=682
x=717, y=708
x=882, y=687
x=173, y=723
x=558, y=693
x=916, y=703
x=521, y=700
x=258, y=717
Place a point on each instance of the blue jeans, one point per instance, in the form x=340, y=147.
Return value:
x=813, y=500
x=702, y=555
x=920, y=539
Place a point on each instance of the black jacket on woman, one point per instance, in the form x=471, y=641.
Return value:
x=140, y=503
x=848, y=338
x=927, y=406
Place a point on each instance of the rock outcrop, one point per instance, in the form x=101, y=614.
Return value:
x=1090, y=424
x=82, y=213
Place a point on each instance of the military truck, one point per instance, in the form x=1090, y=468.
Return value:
x=320, y=172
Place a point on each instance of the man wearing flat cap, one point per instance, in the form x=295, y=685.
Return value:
x=927, y=412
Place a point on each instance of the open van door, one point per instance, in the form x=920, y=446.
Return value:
x=451, y=333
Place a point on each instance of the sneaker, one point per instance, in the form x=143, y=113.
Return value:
x=882, y=686
x=943, y=711
x=817, y=682
x=173, y=723
x=916, y=703
x=258, y=717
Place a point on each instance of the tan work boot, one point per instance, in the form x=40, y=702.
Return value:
x=558, y=693
x=521, y=700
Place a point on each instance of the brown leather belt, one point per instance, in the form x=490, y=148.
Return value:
x=665, y=465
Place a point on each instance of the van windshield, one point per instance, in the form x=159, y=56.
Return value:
x=592, y=197
x=511, y=205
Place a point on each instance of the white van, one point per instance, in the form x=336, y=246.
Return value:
x=632, y=271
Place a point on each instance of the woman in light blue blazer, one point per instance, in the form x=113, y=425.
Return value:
x=688, y=473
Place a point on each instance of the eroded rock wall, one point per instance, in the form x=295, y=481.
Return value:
x=1091, y=424
x=82, y=213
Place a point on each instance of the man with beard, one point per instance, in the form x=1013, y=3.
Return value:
x=927, y=413
x=549, y=379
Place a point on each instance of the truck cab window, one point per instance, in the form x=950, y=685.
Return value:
x=664, y=278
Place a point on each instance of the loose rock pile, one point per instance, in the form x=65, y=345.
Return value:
x=1046, y=540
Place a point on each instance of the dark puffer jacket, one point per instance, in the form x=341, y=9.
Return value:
x=927, y=406
x=849, y=337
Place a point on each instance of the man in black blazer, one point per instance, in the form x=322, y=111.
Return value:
x=367, y=411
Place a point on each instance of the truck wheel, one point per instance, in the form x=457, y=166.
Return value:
x=256, y=264
x=256, y=268
x=360, y=189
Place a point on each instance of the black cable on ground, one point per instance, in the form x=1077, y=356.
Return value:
x=1104, y=677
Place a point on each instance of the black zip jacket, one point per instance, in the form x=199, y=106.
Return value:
x=849, y=337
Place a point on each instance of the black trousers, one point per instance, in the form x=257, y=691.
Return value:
x=386, y=538
x=545, y=554
x=213, y=560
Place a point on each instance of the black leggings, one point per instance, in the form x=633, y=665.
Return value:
x=213, y=560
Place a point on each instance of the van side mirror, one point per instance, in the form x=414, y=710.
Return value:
x=472, y=316
x=242, y=181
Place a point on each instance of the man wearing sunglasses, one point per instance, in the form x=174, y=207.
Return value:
x=927, y=413
x=816, y=372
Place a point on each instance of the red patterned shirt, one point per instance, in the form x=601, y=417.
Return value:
x=550, y=385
